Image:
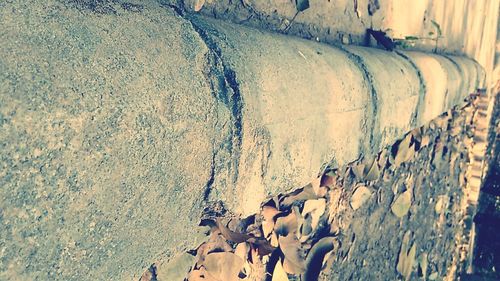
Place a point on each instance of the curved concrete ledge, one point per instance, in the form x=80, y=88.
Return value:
x=117, y=128
x=305, y=104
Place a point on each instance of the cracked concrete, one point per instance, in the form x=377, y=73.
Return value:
x=120, y=122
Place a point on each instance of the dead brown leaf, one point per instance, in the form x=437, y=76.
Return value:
x=241, y=250
x=359, y=197
x=405, y=151
x=329, y=179
x=215, y=243
x=406, y=257
x=223, y=265
x=279, y=273
x=263, y=246
x=315, y=208
x=417, y=134
x=287, y=224
x=358, y=170
x=318, y=189
x=373, y=173
x=425, y=141
x=231, y=235
x=198, y=4
x=294, y=262
x=402, y=204
x=315, y=258
x=200, y=275
x=268, y=213
x=300, y=194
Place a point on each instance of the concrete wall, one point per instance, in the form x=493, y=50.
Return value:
x=120, y=122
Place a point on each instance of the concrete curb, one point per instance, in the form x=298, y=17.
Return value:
x=294, y=92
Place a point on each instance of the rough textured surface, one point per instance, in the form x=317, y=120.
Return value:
x=108, y=130
x=120, y=121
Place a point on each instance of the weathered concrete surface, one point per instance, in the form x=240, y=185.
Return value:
x=120, y=122
x=107, y=132
x=297, y=96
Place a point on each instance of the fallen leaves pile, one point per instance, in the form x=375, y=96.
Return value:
x=295, y=235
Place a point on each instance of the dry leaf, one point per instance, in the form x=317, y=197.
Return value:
x=316, y=208
x=405, y=151
x=215, y=243
x=359, y=197
x=262, y=245
x=441, y=122
x=315, y=258
x=300, y=220
x=318, y=189
x=247, y=270
x=268, y=213
x=198, y=4
x=273, y=240
x=423, y=264
x=403, y=251
x=358, y=170
x=305, y=229
x=406, y=257
x=373, y=173
x=254, y=255
x=241, y=250
x=410, y=260
x=329, y=179
x=200, y=275
x=300, y=194
x=294, y=262
x=425, y=141
x=279, y=273
x=231, y=235
x=402, y=204
x=366, y=170
x=417, y=134
x=223, y=265
x=177, y=268
x=287, y=224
